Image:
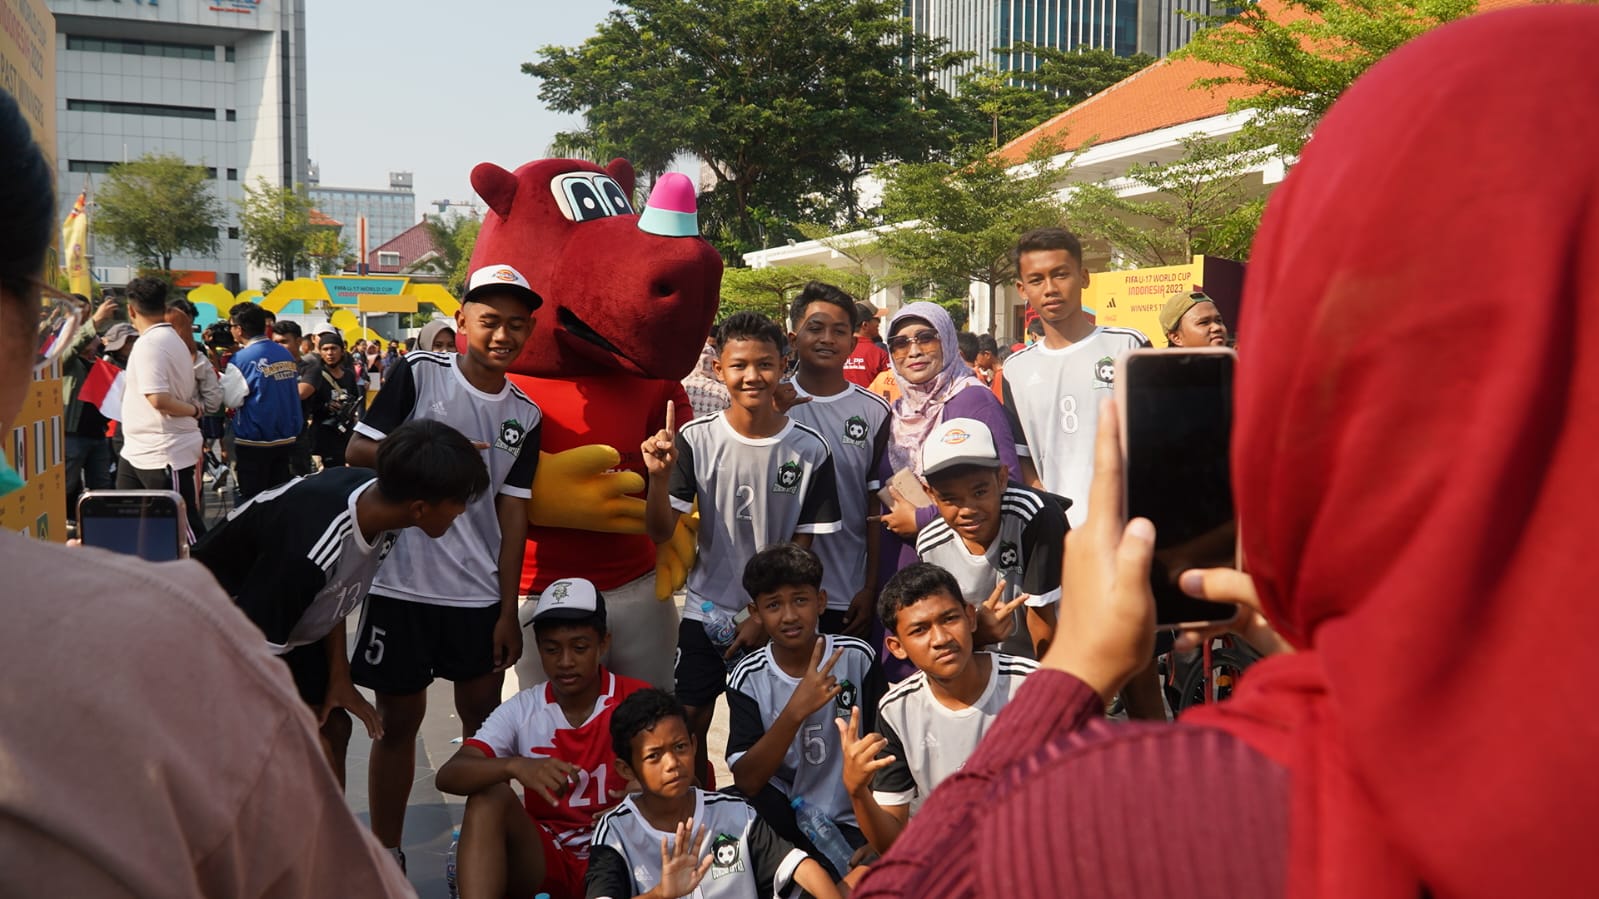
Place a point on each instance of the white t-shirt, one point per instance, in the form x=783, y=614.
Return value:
x=159, y=363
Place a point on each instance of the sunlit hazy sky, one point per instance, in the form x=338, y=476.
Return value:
x=432, y=87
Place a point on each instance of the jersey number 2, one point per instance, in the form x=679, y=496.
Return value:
x=746, y=498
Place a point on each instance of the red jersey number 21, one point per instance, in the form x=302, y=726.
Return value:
x=583, y=795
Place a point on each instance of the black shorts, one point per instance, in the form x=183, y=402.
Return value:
x=308, y=665
x=701, y=672
x=402, y=645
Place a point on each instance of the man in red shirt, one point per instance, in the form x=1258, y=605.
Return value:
x=868, y=360
x=553, y=738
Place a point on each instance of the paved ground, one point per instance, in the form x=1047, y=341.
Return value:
x=431, y=815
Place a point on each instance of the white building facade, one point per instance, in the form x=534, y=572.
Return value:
x=982, y=26
x=220, y=83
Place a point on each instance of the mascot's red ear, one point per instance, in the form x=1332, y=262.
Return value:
x=622, y=171
x=496, y=186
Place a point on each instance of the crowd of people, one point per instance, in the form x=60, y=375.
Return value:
x=917, y=610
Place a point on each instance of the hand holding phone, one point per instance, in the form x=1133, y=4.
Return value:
x=149, y=524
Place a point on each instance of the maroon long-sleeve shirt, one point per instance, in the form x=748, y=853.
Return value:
x=1059, y=802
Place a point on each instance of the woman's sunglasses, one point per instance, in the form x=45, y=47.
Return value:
x=901, y=343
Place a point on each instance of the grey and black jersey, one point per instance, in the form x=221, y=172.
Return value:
x=748, y=859
x=460, y=568
x=928, y=741
x=753, y=492
x=294, y=557
x=1026, y=554
x=855, y=424
x=813, y=768
x=1052, y=398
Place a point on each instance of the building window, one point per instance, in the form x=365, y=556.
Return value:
x=233, y=282
x=233, y=234
x=227, y=53
x=211, y=172
x=89, y=166
x=389, y=259
x=165, y=49
x=233, y=115
x=149, y=109
x=233, y=174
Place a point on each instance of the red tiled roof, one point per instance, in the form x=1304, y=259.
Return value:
x=1159, y=96
x=411, y=244
x=320, y=219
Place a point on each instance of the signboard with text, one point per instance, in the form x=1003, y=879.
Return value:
x=1133, y=299
x=347, y=291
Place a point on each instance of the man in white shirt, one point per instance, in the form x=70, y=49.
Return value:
x=161, y=436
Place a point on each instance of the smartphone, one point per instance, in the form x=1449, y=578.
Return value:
x=144, y=523
x=909, y=486
x=1176, y=418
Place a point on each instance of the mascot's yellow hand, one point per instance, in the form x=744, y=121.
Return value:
x=578, y=489
x=675, y=557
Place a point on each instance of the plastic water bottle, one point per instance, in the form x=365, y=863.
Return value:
x=823, y=834
x=449, y=864
x=718, y=625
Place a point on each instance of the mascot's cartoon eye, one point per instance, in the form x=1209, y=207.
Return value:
x=584, y=197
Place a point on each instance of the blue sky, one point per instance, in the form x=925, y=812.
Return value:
x=432, y=87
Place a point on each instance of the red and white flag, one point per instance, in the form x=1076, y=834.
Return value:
x=102, y=386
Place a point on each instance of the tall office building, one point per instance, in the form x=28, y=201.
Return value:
x=220, y=83
x=1164, y=25
x=388, y=212
x=983, y=26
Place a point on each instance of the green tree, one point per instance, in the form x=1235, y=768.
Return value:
x=453, y=236
x=770, y=290
x=960, y=220
x=1038, y=84
x=1201, y=203
x=157, y=207
x=330, y=253
x=787, y=104
x=1302, y=54
x=276, y=226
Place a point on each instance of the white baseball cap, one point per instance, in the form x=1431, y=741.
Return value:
x=501, y=277
x=959, y=441
x=569, y=599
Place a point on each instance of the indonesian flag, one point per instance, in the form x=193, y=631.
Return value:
x=102, y=386
x=74, y=247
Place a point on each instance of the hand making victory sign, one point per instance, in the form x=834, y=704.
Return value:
x=819, y=687
x=996, y=619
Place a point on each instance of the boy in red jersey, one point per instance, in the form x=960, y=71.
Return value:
x=552, y=738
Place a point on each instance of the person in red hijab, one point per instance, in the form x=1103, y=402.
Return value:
x=1414, y=476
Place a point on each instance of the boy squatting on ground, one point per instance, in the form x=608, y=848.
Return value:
x=855, y=423
x=554, y=738
x=759, y=477
x=448, y=609
x=650, y=845
x=930, y=723
x=992, y=534
x=782, y=699
x=298, y=558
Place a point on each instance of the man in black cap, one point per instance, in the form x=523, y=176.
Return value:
x=330, y=389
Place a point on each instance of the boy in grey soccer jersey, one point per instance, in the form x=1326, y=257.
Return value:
x=759, y=479
x=782, y=699
x=1053, y=387
x=855, y=422
x=651, y=844
x=992, y=535
x=448, y=608
x=930, y=723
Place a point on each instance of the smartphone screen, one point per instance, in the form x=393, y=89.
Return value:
x=1178, y=421
x=139, y=523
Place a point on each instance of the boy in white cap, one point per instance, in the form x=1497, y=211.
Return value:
x=554, y=738
x=447, y=608
x=990, y=532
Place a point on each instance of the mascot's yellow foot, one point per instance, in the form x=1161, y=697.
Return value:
x=675, y=557
x=579, y=489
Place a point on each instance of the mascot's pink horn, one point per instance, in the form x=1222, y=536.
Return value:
x=671, y=211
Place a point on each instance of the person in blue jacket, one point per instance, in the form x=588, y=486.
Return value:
x=267, y=422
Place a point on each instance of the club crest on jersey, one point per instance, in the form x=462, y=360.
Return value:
x=1009, y=555
x=788, y=478
x=511, y=435
x=725, y=858
x=855, y=431
x=847, y=697
x=1105, y=373
x=389, y=539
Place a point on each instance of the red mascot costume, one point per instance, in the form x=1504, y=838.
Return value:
x=628, y=301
